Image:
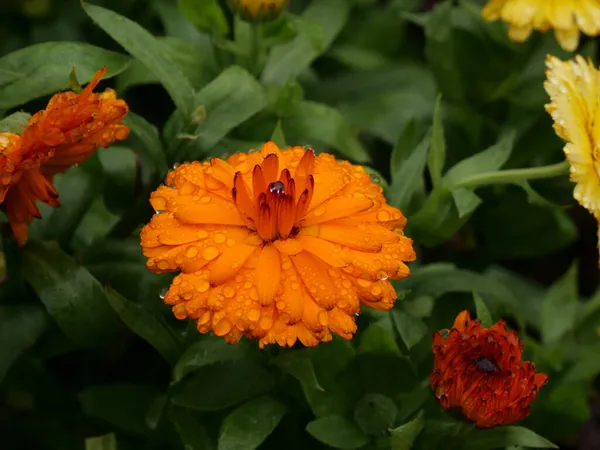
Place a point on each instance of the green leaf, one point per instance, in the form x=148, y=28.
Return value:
x=278, y=136
x=146, y=325
x=559, y=310
x=191, y=429
x=20, y=327
x=289, y=60
x=501, y=437
x=229, y=100
x=405, y=146
x=586, y=366
x=207, y=15
x=223, y=385
x=315, y=121
x=43, y=69
x=141, y=44
x=77, y=188
x=437, y=152
x=411, y=328
x=122, y=405
x=377, y=339
x=337, y=432
x=246, y=427
x=483, y=313
x=104, y=442
x=208, y=350
x=404, y=436
x=375, y=413
x=119, y=165
x=15, y=123
x=486, y=161
x=466, y=202
x=71, y=295
x=150, y=147
x=407, y=178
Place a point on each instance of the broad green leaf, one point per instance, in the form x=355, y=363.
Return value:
x=501, y=437
x=407, y=178
x=122, y=405
x=375, y=413
x=437, y=151
x=404, y=436
x=289, y=60
x=142, y=45
x=483, y=313
x=150, y=147
x=223, y=385
x=586, y=366
x=119, y=165
x=104, y=442
x=207, y=15
x=208, y=350
x=77, y=188
x=405, y=146
x=278, y=136
x=436, y=280
x=337, y=432
x=466, y=202
x=15, y=123
x=20, y=327
x=411, y=329
x=377, y=339
x=559, y=309
x=71, y=295
x=246, y=427
x=43, y=69
x=488, y=160
x=229, y=100
x=315, y=121
x=191, y=429
x=193, y=61
x=146, y=325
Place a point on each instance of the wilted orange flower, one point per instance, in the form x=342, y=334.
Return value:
x=276, y=245
x=66, y=133
x=566, y=17
x=479, y=371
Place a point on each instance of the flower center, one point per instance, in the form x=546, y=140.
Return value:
x=485, y=365
x=277, y=203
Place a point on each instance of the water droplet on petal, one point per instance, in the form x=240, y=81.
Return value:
x=277, y=188
x=375, y=178
x=176, y=165
x=383, y=215
x=228, y=292
x=210, y=253
x=254, y=314
x=160, y=211
x=163, y=293
x=202, y=234
x=382, y=275
x=223, y=327
x=191, y=251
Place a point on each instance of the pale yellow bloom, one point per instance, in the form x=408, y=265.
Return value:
x=566, y=17
x=573, y=87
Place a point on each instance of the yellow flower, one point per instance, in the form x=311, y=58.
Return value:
x=259, y=9
x=573, y=87
x=566, y=17
x=276, y=245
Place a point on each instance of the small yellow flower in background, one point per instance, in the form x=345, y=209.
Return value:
x=276, y=245
x=70, y=129
x=258, y=10
x=566, y=17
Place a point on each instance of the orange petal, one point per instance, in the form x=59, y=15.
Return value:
x=462, y=321
x=241, y=197
x=222, y=172
x=337, y=208
x=330, y=253
x=199, y=213
x=314, y=274
x=259, y=184
x=268, y=274
x=270, y=168
x=352, y=237
x=229, y=263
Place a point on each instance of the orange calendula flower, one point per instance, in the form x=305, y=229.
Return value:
x=566, y=17
x=479, y=371
x=259, y=9
x=276, y=245
x=66, y=133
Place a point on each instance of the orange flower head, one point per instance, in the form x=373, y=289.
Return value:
x=276, y=245
x=67, y=132
x=479, y=371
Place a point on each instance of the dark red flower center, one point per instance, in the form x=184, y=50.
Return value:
x=485, y=365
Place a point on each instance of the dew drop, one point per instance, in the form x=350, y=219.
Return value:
x=202, y=286
x=265, y=323
x=202, y=234
x=228, y=292
x=375, y=178
x=346, y=283
x=163, y=293
x=191, y=251
x=382, y=275
x=220, y=238
x=163, y=265
x=254, y=314
x=277, y=188
x=210, y=253
x=376, y=290
x=223, y=327
x=295, y=286
x=383, y=215
x=159, y=211
x=176, y=165
x=205, y=199
x=323, y=318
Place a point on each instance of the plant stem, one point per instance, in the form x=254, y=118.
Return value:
x=256, y=48
x=514, y=175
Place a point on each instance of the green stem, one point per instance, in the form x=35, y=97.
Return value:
x=256, y=48
x=514, y=176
